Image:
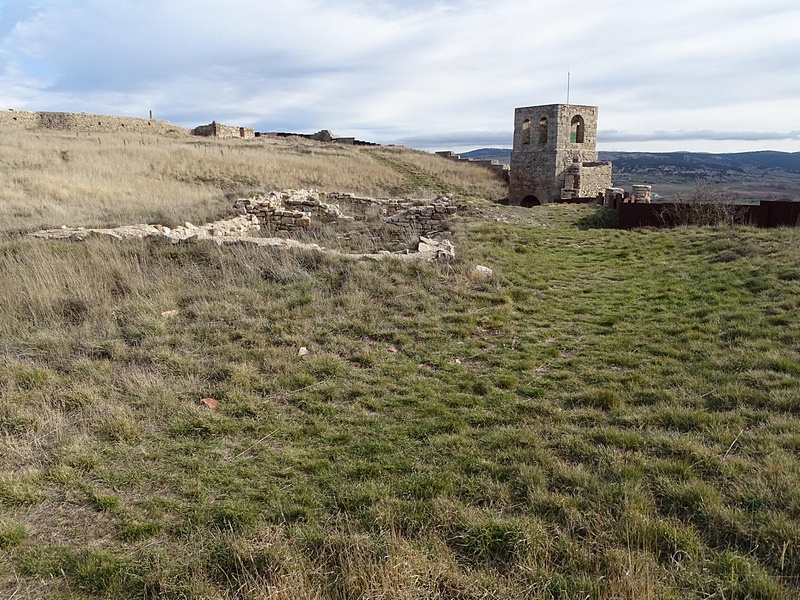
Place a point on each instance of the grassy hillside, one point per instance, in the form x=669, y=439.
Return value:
x=53, y=179
x=610, y=415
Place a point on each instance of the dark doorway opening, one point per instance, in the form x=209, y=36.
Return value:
x=530, y=201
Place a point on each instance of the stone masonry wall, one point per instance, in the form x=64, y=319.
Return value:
x=544, y=153
x=424, y=216
x=218, y=130
x=595, y=178
x=60, y=121
x=290, y=210
x=295, y=210
x=364, y=206
x=425, y=219
x=586, y=180
x=495, y=166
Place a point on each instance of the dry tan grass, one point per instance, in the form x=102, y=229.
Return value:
x=57, y=178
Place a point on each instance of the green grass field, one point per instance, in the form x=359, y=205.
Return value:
x=612, y=414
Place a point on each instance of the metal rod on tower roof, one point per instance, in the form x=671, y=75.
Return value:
x=568, y=82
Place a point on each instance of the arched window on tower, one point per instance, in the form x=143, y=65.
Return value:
x=576, y=130
x=526, y=131
x=543, y=130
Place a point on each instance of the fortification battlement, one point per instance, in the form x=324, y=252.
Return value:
x=62, y=121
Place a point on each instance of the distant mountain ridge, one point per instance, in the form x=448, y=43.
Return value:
x=689, y=164
x=733, y=164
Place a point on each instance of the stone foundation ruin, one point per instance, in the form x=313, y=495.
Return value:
x=295, y=210
x=287, y=212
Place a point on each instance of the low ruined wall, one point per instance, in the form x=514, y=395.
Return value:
x=60, y=121
x=290, y=210
x=424, y=216
x=230, y=131
x=365, y=206
x=495, y=166
x=273, y=216
x=595, y=178
x=296, y=210
x=218, y=130
x=425, y=219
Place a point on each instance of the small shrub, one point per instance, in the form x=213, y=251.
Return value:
x=72, y=309
x=705, y=206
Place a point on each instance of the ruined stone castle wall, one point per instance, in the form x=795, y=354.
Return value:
x=61, y=121
x=595, y=178
x=586, y=180
x=424, y=216
x=218, y=130
x=364, y=206
x=295, y=210
x=495, y=166
x=549, y=141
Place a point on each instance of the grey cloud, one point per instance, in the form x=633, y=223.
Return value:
x=459, y=139
x=436, y=74
x=612, y=135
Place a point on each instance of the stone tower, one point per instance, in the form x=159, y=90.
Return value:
x=555, y=155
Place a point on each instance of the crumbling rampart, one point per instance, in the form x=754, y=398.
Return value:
x=290, y=210
x=61, y=121
x=295, y=210
x=218, y=130
x=495, y=166
x=325, y=135
x=424, y=216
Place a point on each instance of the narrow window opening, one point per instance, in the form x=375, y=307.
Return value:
x=526, y=131
x=576, y=130
x=543, y=130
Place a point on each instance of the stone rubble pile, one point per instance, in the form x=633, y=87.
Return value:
x=238, y=227
x=238, y=230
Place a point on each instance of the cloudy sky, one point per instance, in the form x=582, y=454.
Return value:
x=711, y=75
